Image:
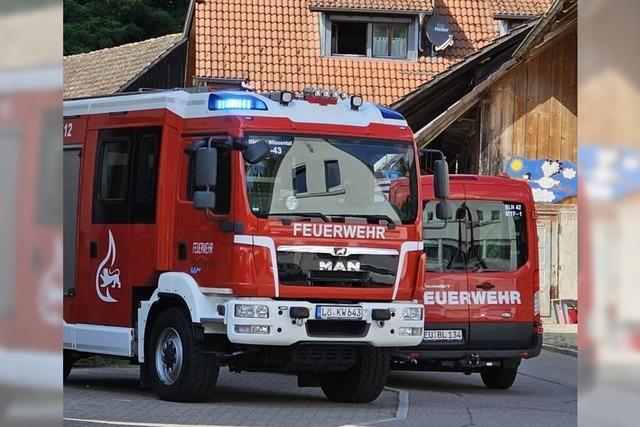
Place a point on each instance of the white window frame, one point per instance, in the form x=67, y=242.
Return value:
x=326, y=19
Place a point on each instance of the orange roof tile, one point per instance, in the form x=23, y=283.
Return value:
x=276, y=45
x=523, y=8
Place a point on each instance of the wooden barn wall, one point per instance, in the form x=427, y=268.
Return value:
x=532, y=110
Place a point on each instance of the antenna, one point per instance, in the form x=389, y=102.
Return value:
x=439, y=32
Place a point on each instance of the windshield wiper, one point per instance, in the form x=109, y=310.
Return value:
x=387, y=218
x=302, y=214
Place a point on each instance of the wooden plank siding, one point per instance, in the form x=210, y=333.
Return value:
x=532, y=110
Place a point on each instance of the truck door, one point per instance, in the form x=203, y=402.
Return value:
x=446, y=314
x=500, y=273
x=116, y=242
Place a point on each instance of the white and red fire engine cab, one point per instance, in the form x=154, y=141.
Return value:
x=277, y=232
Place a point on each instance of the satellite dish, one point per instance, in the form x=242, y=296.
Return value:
x=439, y=32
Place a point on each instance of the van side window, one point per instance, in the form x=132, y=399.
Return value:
x=143, y=207
x=223, y=187
x=126, y=176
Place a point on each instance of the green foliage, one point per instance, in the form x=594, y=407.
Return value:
x=98, y=24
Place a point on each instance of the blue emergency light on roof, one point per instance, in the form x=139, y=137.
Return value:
x=388, y=113
x=233, y=101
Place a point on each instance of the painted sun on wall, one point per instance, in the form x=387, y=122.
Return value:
x=551, y=180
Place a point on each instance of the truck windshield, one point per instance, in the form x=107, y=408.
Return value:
x=331, y=179
x=483, y=236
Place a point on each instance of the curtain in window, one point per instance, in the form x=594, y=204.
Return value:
x=380, y=40
x=399, y=40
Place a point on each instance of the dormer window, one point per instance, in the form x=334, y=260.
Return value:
x=370, y=36
x=508, y=23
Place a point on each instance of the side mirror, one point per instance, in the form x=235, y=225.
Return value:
x=256, y=152
x=441, y=180
x=443, y=210
x=205, y=176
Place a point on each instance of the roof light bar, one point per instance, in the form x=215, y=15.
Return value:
x=388, y=113
x=222, y=102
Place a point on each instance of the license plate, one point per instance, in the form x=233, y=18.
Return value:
x=443, y=335
x=335, y=312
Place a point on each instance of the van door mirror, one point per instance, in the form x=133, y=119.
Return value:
x=441, y=179
x=256, y=152
x=443, y=210
x=205, y=177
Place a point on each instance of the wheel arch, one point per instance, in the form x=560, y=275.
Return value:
x=174, y=290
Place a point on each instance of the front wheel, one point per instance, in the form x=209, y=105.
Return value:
x=180, y=369
x=363, y=382
x=499, y=377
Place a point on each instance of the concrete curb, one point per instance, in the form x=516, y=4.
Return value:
x=563, y=350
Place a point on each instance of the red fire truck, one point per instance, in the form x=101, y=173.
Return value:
x=481, y=289
x=243, y=230
x=31, y=236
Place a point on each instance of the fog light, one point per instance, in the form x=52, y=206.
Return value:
x=412, y=313
x=252, y=329
x=251, y=311
x=409, y=332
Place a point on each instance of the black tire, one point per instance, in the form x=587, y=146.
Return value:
x=499, y=377
x=197, y=375
x=67, y=363
x=363, y=382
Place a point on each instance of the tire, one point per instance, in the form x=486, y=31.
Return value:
x=363, y=382
x=172, y=345
x=500, y=377
x=67, y=363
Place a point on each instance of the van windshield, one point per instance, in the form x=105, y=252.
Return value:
x=332, y=179
x=482, y=236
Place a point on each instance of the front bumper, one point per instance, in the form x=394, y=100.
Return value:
x=284, y=330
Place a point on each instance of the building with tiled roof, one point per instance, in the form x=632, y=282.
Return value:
x=377, y=48
x=128, y=67
x=518, y=8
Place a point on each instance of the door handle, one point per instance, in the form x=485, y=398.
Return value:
x=93, y=249
x=486, y=286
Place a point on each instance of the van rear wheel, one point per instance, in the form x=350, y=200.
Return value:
x=363, y=382
x=180, y=370
x=499, y=377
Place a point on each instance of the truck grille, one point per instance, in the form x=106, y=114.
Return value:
x=337, y=328
x=319, y=269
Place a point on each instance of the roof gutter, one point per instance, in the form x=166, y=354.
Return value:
x=369, y=10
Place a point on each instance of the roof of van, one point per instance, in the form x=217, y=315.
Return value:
x=477, y=179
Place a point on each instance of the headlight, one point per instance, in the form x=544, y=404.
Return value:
x=412, y=313
x=252, y=311
x=409, y=332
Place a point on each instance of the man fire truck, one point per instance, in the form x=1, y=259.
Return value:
x=482, y=311
x=258, y=232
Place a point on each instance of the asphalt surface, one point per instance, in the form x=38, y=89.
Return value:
x=544, y=394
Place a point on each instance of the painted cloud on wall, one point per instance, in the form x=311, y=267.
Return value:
x=551, y=180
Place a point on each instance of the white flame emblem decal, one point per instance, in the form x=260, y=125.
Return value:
x=106, y=277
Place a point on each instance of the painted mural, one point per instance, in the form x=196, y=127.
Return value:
x=551, y=180
x=609, y=173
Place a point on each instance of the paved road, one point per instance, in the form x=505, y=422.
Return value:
x=544, y=394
